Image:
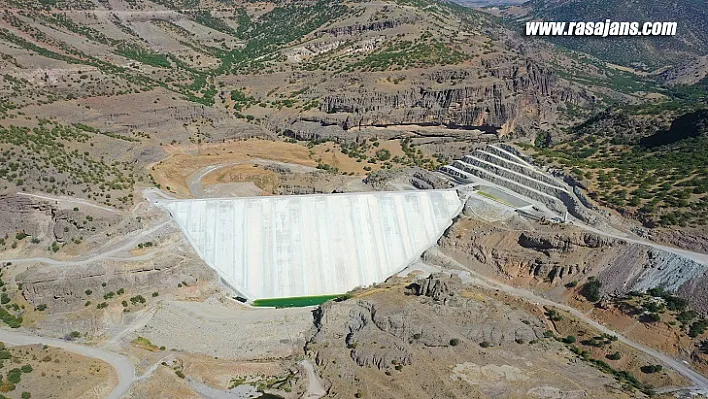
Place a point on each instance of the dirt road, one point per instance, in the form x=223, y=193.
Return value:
x=127, y=245
x=123, y=367
x=470, y=276
x=695, y=256
x=76, y=201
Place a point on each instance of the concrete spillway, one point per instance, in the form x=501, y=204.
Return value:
x=287, y=246
x=505, y=166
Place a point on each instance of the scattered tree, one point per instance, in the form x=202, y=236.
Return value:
x=591, y=290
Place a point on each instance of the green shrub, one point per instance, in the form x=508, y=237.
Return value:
x=653, y=317
x=675, y=304
x=383, y=154
x=14, y=376
x=697, y=328
x=137, y=299
x=554, y=315
x=650, y=369
x=591, y=290
x=685, y=317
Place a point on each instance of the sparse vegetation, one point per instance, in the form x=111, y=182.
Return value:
x=656, y=178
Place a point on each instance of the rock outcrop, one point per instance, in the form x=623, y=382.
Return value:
x=414, y=177
x=435, y=287
x=23, y=214
x=549, y=256
x=374, y=26
x=497, y=95
x=391, y=345
x=382, y=334
x=563, y=242
x=66, y=289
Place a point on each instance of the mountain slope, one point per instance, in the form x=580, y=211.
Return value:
x=646, y=165
x=345, y=63
x=147, y=74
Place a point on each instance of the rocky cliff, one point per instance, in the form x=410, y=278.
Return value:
x=563, y=242
x=510, y=95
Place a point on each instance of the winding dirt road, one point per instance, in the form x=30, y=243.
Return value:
x=127, y=245
x=123, y=367
x=695, y=256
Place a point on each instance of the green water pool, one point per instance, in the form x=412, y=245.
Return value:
x=295, y=302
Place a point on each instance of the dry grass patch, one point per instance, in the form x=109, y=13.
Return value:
x=145, y=343
x=264, y=179
x=184, y=160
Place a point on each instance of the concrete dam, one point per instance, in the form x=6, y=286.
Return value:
x=312, y=245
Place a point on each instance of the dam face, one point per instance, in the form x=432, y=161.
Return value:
x=311, y=245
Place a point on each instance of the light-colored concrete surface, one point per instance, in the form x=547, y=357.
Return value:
x=288, y=246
